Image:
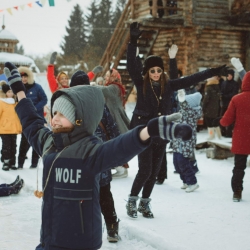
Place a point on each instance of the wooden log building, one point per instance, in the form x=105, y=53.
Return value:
x=208, y=33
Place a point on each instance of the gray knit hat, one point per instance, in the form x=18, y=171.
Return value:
x=64, y=105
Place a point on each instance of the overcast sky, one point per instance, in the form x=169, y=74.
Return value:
x=39, y=30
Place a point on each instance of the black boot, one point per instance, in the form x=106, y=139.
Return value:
x=18, y=186
x=144, y=208
x=112, y=232
x=6, y=165
x=237, y=196
x=15, y=182
x=131, y=206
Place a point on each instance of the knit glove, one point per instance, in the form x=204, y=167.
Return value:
x=135, y=33
x=97, y=69
x=53, y=58
x=181, y=95
x=237, y=64
x=165, y=128
x=172, y=51
x=14, y=78
x=219, y=71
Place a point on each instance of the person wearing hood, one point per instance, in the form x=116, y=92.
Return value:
x=229, y=88
x=237, y=113
x=10, y=126
x=73, y=158
x=61, y=81
x=211, y=106
x=106, y=130
x=114, y=93
x=35, y=92
x=154, y=91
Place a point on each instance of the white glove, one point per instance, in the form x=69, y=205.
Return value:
x=181, y=95
x=237, y=64
x=173, y=51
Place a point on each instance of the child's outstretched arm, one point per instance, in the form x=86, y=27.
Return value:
x=165, y=128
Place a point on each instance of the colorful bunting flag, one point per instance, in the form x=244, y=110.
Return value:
x=51, y=3
x=9, y=10
x=39, y=3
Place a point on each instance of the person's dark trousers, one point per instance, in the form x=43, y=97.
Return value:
x=9, y=147
x=23, y=149
x=162, y=175
x=183, y=166
x=223, y=129
x=240, y=164
x=149, y=162
x=107, y=205
x=5, y=190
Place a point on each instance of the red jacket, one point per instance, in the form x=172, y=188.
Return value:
x=238, y=113
x=52, y=79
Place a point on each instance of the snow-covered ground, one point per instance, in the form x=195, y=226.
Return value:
x=206, y=219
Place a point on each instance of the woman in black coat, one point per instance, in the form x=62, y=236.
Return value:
x=154, y=91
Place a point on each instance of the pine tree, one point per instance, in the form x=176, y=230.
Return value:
x=75, y=41
x=118, y=12
x=19, y=49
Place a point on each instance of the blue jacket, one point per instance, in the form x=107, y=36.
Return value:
x=37, y=95
x=112, y=132
x=71, y=214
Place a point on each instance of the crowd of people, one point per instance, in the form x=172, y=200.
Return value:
x=86, y=123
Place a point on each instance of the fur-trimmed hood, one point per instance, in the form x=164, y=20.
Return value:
x=28, y=72
x=212, y=80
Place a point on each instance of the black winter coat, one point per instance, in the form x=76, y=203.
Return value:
x=147, y=106
x=228, y=90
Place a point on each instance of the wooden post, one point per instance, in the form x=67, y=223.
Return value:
x=132, y=8
x=154, y=8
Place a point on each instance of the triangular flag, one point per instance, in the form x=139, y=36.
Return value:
x=9, y=10
x=16, y=7
x=51, y=3
x=43, y=2
x=39, y=3
x=22, y=6
x=1, y=10
x=30, y=5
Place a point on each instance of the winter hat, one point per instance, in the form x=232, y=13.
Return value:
x=246, y=82
x=194, y=100
x=79, y=78
x=99, y=79
x=150, y=62
x=5, y=88
x=231, y=72
x=64, y=105
x=61, y=74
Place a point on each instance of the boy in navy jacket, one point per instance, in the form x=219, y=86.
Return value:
x=73, y=158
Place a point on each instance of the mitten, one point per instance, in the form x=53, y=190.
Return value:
x=218, y=71
x=172, y=51
x=97, y=69
x=135, y=33
x=181, y=95
x=237, y=64
x=53, y=57
x=165, y=128
x=14, y=78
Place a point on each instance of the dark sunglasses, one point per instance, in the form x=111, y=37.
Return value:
x=152, y=71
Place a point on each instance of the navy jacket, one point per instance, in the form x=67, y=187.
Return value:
x=71, y=215
x=37, y=95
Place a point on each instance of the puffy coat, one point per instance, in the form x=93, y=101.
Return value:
x=228, y=90
x=9, y=121
x=211, y=100
x=71, y=215
x=238, y=113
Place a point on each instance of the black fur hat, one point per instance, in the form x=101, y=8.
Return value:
x=150, y=62
x=5, y=88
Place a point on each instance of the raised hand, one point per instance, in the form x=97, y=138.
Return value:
x=237, y=64
x=14, y=78
x=181, y=95
x=135, y=32
x=172, y=51
x=97, y=69
x=53, y=57
x=219, y=71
